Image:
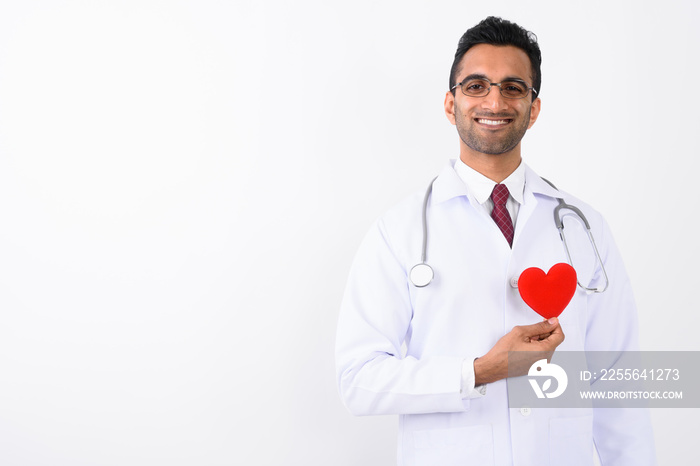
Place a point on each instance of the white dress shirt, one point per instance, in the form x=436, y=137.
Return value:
x=481, y=187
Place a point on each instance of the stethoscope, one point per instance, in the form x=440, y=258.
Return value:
x=422, y=274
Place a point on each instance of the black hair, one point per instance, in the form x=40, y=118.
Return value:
x=497, y=31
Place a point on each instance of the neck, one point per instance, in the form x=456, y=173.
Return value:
x=494, y=167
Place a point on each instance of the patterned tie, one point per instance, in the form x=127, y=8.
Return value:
x=500, y=214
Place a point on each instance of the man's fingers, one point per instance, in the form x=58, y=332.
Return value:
x=553, y=337
x=556, y=337
x=540, y=328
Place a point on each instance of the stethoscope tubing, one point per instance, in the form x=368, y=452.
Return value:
x=422, y=273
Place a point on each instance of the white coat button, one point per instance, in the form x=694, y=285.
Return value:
x=525, y=411
x=514, y=282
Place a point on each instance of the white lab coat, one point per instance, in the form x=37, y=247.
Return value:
x=471, y=303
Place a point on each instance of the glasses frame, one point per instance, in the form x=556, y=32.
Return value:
x=500, y=89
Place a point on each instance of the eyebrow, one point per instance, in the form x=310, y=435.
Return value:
x=483, y=76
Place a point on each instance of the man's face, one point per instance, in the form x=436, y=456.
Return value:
x=493, y=124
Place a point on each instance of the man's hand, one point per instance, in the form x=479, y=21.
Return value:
x=539, y=339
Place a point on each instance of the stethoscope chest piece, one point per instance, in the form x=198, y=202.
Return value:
x=421, y=274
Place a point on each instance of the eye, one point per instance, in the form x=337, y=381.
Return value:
x=475, y=87
x=514, y=88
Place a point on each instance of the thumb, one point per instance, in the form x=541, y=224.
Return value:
x=540, y=328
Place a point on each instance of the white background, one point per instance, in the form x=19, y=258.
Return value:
x=183, y=185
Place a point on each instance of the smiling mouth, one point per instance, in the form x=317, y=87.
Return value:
x=490, y=122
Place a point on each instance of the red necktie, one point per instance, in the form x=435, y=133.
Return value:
x=500, y=214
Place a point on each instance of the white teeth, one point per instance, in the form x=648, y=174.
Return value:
x=492, y=122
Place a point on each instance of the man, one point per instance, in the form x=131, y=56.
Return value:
x=489, y=218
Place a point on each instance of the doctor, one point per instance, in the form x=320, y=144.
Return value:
x=489, y=218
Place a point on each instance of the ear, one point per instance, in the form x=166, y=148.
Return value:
x=534, y=112
x=450, y=107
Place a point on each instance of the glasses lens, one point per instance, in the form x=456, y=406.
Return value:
x=476, y=87
x=514, y=89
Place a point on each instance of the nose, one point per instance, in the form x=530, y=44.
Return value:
x=494, y=101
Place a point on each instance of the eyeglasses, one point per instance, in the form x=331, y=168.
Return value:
x=480, y=87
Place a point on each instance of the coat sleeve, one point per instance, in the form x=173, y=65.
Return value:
x=375, y=317
x=623, y=436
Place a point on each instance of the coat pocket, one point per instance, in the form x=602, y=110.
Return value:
x=458, y=446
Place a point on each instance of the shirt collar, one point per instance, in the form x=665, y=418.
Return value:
x=481, y=187
x=449, y=185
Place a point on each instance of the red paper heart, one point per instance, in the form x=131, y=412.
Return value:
x=548, y=294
